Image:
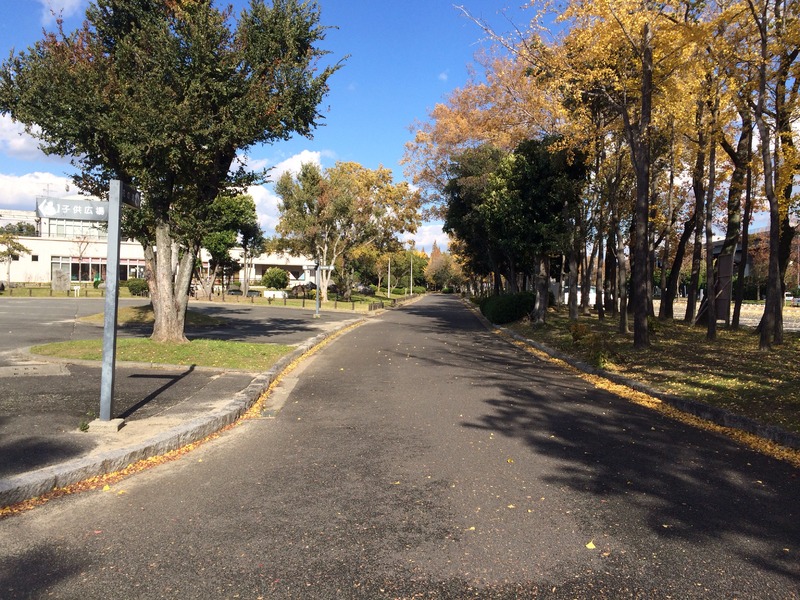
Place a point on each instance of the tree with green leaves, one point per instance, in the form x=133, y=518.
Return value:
x=164, y=95
x=326, y=215
x=10, y=248
x=275, y=278
x=233, y=222
x=20, y=228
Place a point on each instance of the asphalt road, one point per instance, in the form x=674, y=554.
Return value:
x=421, y=456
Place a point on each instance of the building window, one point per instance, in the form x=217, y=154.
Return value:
x=34, y=258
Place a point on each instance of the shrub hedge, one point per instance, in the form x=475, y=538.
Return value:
x=137, y=287
x=507, y=308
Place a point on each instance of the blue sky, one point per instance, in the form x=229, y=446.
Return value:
x=405, y=56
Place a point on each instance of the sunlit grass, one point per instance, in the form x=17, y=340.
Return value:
x=201, y=352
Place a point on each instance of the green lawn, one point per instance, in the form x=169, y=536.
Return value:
x=201, y=352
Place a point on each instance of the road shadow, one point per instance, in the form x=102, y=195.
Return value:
x=31, y=574
x=22, y=454
x=171, y=381
x=679, y=483
x=685, y=483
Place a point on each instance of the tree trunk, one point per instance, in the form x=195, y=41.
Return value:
x=711, y=294
x=542, y=283
x=639, y=140
x=670, y=291
x=599, y=282
x=698, y=187
x=748, y=207
x=740, y=157
x=622, y=283
x=169, y=277
x=572, y=284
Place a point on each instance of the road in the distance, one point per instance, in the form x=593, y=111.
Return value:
x=421, y=456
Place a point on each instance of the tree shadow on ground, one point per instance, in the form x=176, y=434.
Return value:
x=31, y=574
x=31, y=453
x=681, y=482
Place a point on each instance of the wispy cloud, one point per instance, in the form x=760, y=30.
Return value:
x=55, y=9
x=14, y=142
x=443, y=76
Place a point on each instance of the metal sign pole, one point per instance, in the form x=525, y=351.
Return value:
x=112, y=302
x=118, y=194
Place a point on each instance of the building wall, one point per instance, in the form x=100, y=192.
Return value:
x=81, y=254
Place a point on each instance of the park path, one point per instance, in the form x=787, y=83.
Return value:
x=421, y=455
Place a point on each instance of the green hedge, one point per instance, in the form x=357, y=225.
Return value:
x=137, y=287
x=508, y=307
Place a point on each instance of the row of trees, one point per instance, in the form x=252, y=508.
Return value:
x=167, y=96
x=682, y=113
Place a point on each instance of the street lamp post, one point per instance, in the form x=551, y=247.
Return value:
x=317, y=268
x=411, y=277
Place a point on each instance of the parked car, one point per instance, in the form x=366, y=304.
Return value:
x=253, y=294
x=235, y=292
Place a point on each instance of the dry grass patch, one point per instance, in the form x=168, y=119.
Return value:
x=730, y=373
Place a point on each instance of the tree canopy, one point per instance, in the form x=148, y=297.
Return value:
x=165, y=95
x=327, y=215
x=688, y=94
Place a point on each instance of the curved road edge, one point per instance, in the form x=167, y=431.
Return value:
x=26, y=486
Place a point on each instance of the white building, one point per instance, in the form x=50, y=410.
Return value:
x=78, y=248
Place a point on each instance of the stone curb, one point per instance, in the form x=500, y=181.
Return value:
x=713, y=414
x=19, y=488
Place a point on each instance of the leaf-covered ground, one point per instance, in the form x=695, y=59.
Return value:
x=730, y=373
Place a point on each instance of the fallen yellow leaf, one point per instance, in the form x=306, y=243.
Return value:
x=591, y=545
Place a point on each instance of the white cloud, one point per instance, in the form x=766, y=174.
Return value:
x=15, y=142
x=54, y=9
x=264, y=196
x=19, y=191
x=426, y=234
x=266, y=207
x=443, y=76
x=293, y=164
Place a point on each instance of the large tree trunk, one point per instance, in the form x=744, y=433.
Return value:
x=622, y=282
x=698, y=187
x=169, y=279
x=711, y=295
x=639, y=141
x=542, y=284
x=666, y=311
x=740, y=157
x=748, y=208
x=600, y=282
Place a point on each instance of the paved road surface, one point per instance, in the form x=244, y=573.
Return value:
x=421, y=456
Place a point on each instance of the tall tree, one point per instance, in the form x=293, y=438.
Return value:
x=10, y=249
x=326, y=215
x=163, y=95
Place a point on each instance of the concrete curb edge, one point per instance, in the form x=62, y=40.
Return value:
x=25, y=486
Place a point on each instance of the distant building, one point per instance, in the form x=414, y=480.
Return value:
x=78, y=247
